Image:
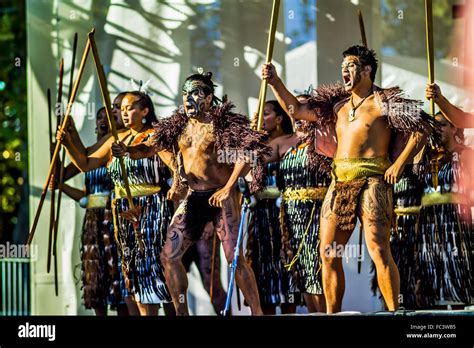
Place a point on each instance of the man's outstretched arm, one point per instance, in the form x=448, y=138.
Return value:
x=288, y=101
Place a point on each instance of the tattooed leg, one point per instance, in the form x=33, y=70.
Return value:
x=376, y=214
x=227, y=227
x=332, y=239
x=177, y=242
x=204, y=264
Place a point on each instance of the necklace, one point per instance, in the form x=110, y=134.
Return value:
x=354, y=108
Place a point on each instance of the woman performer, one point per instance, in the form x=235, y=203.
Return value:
x=139, y=250
x=264, y=243
x=304, y=177
x=445, y=275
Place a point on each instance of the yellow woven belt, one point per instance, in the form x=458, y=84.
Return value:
x=97, y=200
x=304, y=194
x=270, y=192
x=348, y=169
x=414, y=210
x=137, y=190
x=436, y=198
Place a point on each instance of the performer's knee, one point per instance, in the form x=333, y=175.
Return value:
x=380, y=254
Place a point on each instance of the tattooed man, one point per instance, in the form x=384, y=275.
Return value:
x=367, y=121
x=202, y=135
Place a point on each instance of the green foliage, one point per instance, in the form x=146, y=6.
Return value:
x=13, y=114
x=403, y=26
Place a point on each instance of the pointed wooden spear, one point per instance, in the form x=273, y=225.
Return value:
x=107, y=104
x=268, y=59
x=58, y=143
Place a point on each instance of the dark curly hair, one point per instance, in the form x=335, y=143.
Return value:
x=143, y=101
x=366, y=57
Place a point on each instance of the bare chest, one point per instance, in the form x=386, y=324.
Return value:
x=365, y=119
x=198, y=137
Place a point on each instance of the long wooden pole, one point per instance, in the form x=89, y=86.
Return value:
x=51, y=216
x=362, y=29
x=361, y=230
x=431, y=79
x=268, y=59
x=58, y=142
x=63, y=157
x=108, y=110
x=429, y=47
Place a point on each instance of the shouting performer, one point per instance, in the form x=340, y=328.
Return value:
x=366, y=120
x=212, y=146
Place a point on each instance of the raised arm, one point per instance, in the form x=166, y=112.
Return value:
x=455, y=115
x=288, y=101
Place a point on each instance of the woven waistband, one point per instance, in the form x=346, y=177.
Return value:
x=436, y=198
x=137, y=190
x=269, y=192
x=347, y=169
x=304, y=194
x=97, y=200
x=403, y=211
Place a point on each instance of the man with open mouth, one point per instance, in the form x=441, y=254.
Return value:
x=378, y=132
x=197, y=136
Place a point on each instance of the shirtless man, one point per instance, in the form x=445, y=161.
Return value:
x=361, y=163
x=198, y=134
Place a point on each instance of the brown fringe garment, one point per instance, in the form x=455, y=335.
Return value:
x=287, y=252
x=232, y=131
x=92, y=269
x=345, y=202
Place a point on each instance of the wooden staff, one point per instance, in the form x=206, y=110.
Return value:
x=51, y=216
x=430, y=58
x=362, y=29
x=106, y=98
x=63, y=156
x=270, y=44
x=58, y=142
x=361, y=230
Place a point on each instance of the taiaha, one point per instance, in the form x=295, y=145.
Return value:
x=63, y=157
x=430, y=59
x=110, y=117
x=361, y=231
x=362, y=29
x=58, y=143
x=270, y=45
x=51, y=216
